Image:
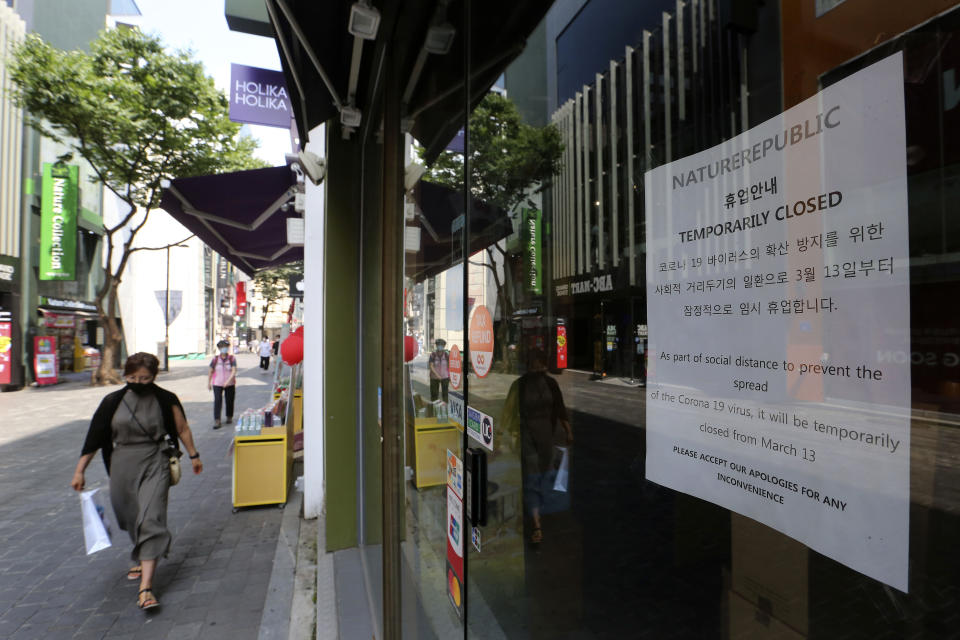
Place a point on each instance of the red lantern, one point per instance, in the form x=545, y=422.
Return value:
x=291, y=349
x=410, y=348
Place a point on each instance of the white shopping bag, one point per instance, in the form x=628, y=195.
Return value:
x=95, y=533
x=563, y=471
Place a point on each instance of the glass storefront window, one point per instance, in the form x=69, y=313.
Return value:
x=702, y=328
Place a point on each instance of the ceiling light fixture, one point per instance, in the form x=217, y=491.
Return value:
x=364, y=21
x=439, y=38
x=350, y=116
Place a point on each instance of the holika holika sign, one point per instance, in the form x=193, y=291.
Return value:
x=778, y=275
x=259, y=96
x=58, y=222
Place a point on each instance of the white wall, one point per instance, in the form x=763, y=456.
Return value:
x=145, y=274
x=313, y=360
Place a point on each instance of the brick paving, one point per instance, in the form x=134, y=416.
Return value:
x=214, y=582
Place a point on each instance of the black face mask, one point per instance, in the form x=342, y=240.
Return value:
x=139, y=388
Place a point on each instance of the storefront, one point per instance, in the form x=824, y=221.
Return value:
x=753, y=215
x=11, y=340
x=75, y=325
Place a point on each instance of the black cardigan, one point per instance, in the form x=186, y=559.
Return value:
x=100, y=433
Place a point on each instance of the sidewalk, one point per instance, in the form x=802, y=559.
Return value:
x=219, y=580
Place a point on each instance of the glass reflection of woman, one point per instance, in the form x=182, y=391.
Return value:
x=536, y=400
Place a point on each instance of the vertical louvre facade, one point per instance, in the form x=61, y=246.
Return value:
x=680, y=89
x=12, y=30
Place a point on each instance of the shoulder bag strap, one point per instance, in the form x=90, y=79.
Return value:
x=133, y=414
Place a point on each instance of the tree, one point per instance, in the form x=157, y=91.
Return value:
x=138, y=115
x=272, y=284
x=509, y=162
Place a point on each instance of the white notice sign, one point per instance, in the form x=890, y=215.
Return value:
x=777, y=279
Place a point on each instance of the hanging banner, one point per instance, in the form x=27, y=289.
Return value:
x=58, y=222
x=259, y=96
x=6, y=349
x=45, y=363
x=778, y=275
x=242, y=299
x=532, y=249
x=561, y=347
x=481, y=341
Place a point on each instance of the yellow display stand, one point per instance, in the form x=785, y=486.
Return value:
x=432, y=439
x=297, y=411
x=261, y=467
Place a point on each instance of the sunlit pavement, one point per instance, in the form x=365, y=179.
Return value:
x=213, y=584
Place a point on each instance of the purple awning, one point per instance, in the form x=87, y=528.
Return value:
x=438, y=208
x=239, y=214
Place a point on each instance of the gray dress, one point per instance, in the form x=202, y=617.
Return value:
x=140, y=475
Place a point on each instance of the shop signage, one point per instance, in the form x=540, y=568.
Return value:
x=561, y=347
x=259, y=96
x=527, y=311
x=597, y=284
x=8, y=273
x=480, y=427
x=456, y=407
x=45, y=359
x=58, y=222
x=223, y=269
x=297, y=286
x=6, y=351
x=456, y=367
x=67, y=304
x=475, y=538
x=59, y=320
x=481, y=341
x=778, y=272
x=532, y=249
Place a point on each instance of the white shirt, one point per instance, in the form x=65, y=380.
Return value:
x=266, y=349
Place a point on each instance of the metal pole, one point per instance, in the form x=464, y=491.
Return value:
x=465, y=252
x=166, y=318
x=392, y=361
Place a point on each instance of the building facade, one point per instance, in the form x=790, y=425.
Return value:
x=59, y=305
x=727, y=409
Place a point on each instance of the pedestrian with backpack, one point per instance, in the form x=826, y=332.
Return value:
x=223, y=381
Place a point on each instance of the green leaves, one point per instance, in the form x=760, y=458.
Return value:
x=508, y=157
x=137, y=113
x=272, y=285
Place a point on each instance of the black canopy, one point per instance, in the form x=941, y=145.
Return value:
x=317, y=53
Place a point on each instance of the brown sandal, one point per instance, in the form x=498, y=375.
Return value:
x=134, y=573
x=147, y=602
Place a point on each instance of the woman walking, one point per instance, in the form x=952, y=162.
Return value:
x=223, y=381
x=131, y=427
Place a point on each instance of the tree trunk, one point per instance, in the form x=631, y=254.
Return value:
x=112, y=337
x=263, y=319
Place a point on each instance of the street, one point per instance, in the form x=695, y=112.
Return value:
x=214, y=582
